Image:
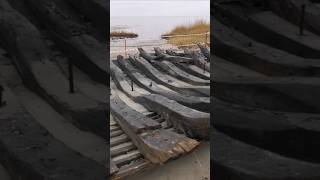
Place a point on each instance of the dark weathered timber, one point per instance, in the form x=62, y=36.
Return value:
x=127, y=171
x=236, y=160
x=83, y=49
x=266, y=114
x=200, y=62
x=124, y=155
x=29, y=152
x=284, y=133
x=193, y=123
x=33, y=60
x=137, y=122
x=250, y=20
x=146, y=55
x=95, y=10
x=201, y=104
x=157, y=145
x=121, y=149
x=127, y=158
x=198, y=59
x=113, y=168
x=240, y=49
x=189, y=121
x=174, y=71
x=169, y=81
x=223, y=68
x=291, y=11
x=189, y=70
x=178, y=58
x=163, y=56
x=118, y=140
x=283, y=94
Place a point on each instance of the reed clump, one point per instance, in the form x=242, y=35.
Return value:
x=122, y=34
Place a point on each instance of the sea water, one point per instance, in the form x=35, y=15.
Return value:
x=153, y=18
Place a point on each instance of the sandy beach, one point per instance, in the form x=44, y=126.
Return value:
x=194, y=166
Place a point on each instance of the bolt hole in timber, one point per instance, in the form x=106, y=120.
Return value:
x=159, y=103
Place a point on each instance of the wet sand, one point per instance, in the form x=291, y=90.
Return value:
x=194, y=166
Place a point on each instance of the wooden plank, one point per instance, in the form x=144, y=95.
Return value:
x=137, y=166
x=121, y=148
x=118, y=139
x=150, y=114
x=194, y=123
x=113, y=167
x=116, y=133
x=127, y=158
x=167, y=80
x=155, y=116
x=157, y=145
x=137, y=121
x=146, y=55
x=114, y=128
x=112, y=123
x=163, y=56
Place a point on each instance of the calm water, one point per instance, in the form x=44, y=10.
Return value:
x=151, y=28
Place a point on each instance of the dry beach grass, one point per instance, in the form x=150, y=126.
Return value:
x=199, y=27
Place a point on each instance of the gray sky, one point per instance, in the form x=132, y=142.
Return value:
x=159, y=8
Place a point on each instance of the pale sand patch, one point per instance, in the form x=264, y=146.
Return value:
x=194, y=166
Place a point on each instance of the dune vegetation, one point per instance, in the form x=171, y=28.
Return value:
x=122, y=34
x=199, y=27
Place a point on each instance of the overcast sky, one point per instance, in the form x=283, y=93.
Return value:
x=160, y=8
